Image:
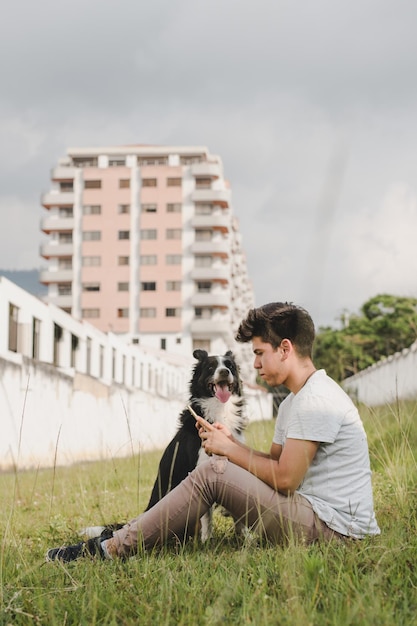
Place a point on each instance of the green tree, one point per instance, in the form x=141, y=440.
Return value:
x=386, y=324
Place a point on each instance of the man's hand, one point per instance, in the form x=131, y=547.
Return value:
x=216, y=440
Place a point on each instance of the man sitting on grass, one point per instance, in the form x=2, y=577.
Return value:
x=315, y=483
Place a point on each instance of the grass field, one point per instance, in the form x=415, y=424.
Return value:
x=371, y=582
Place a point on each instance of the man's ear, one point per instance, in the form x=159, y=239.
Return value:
x=286, y=347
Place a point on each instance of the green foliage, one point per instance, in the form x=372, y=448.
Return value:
x=224, y=582
x=387, y=324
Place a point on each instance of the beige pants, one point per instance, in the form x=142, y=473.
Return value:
x=248, y=499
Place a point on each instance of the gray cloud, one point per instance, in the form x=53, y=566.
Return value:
x=276, y=88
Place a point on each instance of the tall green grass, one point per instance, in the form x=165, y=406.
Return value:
x=371, y=582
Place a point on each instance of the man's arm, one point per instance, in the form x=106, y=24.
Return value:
x=283, y=469
x=274, y=453
x=284, y=473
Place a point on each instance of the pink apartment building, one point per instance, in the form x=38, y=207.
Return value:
x=142, y=241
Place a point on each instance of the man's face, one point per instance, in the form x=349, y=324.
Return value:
x=269, y=362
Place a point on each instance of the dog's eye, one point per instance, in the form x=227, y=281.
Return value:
x=228, y=364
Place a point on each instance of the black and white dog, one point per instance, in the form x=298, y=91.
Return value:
x=215, y=394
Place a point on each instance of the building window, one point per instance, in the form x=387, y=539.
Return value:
x=204, y=287
x=66, y=211
x=203, y=235
x=65, y=263
x=174, y=182
x=122, y=312
x=173, y=285
x=92, y=235
x=163, y=343
x=64, y=289
x=133, y=374
x=123, y=209
x=92, y=209
x=147, y=312
x=36, y=336
x=202, y=208
x=91, y=261
x=148, y=233
x=91, y=286
x=203, y=183
x=101, y=361
x=66, y=186
x=117, y=162
x=58, y=332
x=13, y=327
x=174, y=233
x=92, y=184
x=203, y=260
x=149, y=182
x=122, y=286
x=122, y=260
x=148, y=286
x=173, y=259
x=153, y=160
x=174, y=207
x=113, y=363
x=88, y=356
x=202, y=312
x=189, y=160
x=85, y=161
x=173, y=312
x=65, y=238
x=149, y=208
x=74, y=347
x=124, y=234
x=90, y=313
x=124, y=183
x=148, y=259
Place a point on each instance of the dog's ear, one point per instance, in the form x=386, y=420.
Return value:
x=200, y=355
x=230, y=354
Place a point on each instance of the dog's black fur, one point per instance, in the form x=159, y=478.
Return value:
x=215, y=394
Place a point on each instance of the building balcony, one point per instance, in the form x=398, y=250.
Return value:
x=214, y=247
x=57, y=198
x=63, y=173
x=49, y=224
x=64, y=302
x=211, y=196
x=214, y=221
x=211, y=299
x=220, y=273
x=49, y=250
x=55, y=276
x=207, y=328
x=209, y=170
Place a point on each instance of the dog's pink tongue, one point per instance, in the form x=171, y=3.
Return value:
x=222, y=393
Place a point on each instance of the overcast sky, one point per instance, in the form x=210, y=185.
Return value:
x=311, y=104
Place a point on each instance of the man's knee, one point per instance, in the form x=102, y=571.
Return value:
x=219, y=463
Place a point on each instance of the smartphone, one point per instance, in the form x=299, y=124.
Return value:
x=200, y=419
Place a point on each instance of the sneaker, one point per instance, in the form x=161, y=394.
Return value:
x=92, y=547
x=105, y=532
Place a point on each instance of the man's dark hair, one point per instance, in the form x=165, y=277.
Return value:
x=277, y=321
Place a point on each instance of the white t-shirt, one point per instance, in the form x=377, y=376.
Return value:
x=338, y=482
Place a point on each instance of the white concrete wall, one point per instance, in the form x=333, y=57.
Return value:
x=391, y=379
x=49, y=417
x=61, y=414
